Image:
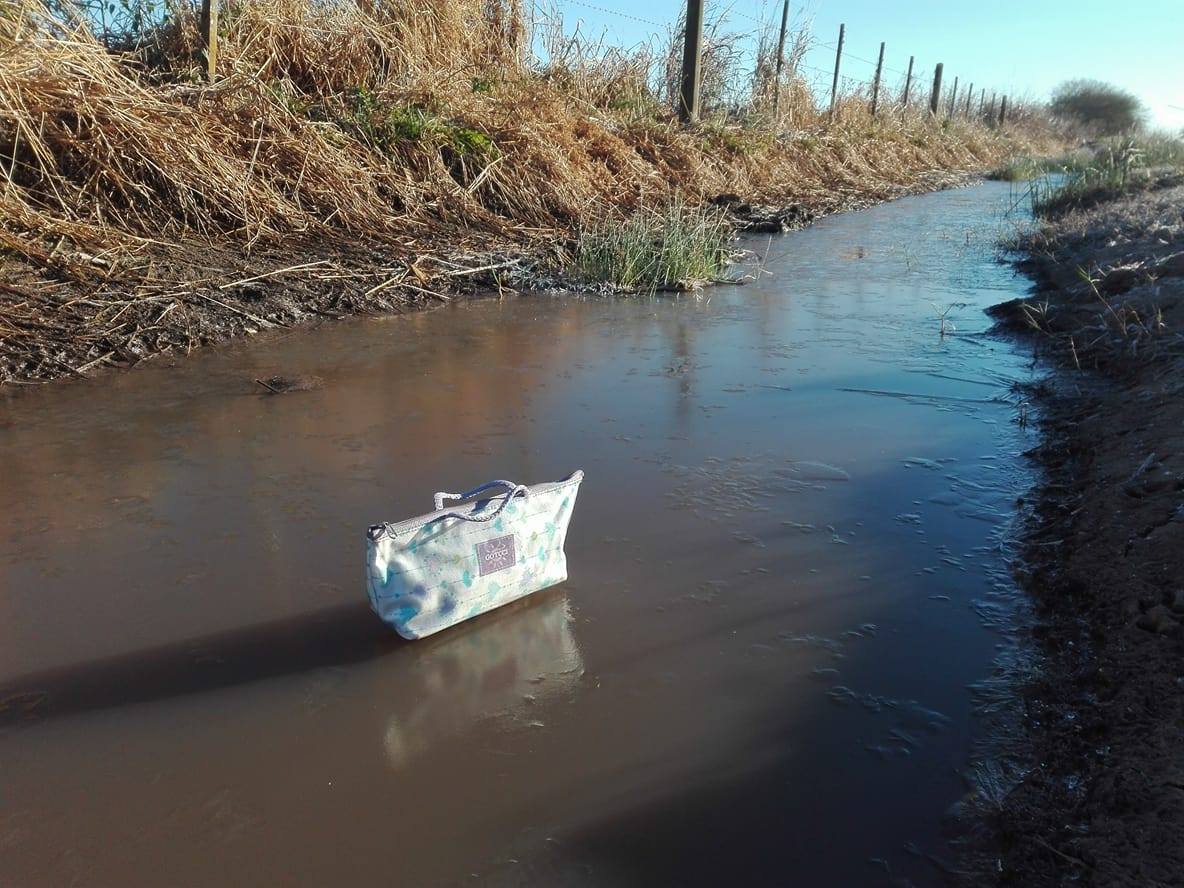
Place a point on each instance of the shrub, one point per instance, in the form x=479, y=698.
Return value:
x=1102, y=109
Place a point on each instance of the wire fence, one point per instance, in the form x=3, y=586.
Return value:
x=749, y=32
x=855, y=75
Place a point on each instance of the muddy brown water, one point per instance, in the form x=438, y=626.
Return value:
x=788, y=563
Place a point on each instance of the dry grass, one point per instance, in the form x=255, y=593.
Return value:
x=1112, y=281
x=415, y=128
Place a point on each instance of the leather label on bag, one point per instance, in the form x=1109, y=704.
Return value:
x=494, y=555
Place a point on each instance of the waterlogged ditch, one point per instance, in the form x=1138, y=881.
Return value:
x=789, y=586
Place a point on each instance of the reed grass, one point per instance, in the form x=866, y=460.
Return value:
x=1117, y=167
x=1025, y=168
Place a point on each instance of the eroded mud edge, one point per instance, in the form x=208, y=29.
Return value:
x=1100, y=800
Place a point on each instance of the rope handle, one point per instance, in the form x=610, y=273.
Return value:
x=511, y=490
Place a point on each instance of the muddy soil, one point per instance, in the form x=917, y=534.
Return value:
x=169, y=300
x=1103, y=803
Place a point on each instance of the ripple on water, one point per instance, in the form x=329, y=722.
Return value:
x=811, y=470
x=720, y=489
x=922, y=463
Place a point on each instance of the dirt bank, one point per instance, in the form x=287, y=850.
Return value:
x=167, y=302
x=1103, y=803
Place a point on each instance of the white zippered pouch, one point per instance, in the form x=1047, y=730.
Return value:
x=431, y=572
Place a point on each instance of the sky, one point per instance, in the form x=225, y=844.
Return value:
x=1016, y=48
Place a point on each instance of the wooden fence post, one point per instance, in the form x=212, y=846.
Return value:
x=982, y=102
x=834, y=86
x=969, y=96
x=692, y=51
x=780, y=57
x=1003, y=111
x=876, y=84
x=208, y=25
x=953, y=99
x=936, y=94
x=908, y=81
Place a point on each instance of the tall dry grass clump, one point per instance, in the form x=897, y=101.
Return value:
x=301, y=134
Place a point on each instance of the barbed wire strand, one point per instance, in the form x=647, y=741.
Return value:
x=847, y=54
x=616, y=12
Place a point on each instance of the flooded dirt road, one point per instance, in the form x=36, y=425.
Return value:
x=787, y=566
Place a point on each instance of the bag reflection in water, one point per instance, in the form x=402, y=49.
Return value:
x=431, y=572
x=502, y=667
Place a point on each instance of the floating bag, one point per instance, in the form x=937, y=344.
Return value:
x=431, y=572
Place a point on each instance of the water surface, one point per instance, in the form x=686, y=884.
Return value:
x=786, y=565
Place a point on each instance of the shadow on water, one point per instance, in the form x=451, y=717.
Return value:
x=740, y=827
x=331, y=637
x=752, y=807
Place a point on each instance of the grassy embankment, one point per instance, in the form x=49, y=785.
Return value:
x=1102, y=271
x=366, y=156
x=1099, y=799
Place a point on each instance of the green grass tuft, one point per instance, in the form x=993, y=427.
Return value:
x=386, y=127
x=673, y=248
